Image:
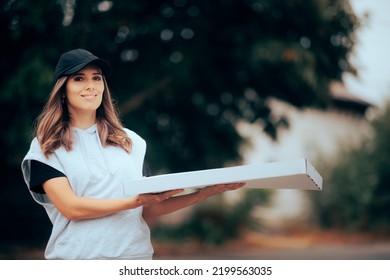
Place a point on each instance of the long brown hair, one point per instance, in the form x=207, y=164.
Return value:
x=53, y=124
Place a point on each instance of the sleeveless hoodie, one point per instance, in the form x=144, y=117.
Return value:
x=97, y=172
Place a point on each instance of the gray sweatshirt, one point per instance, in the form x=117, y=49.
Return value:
x=97, y=172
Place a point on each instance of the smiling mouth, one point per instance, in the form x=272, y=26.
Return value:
x=89, y=96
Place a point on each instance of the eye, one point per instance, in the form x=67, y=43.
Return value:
x=78, y=78
x=97, y=78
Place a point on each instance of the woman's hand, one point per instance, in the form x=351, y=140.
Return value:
x=208, y=191
x=164, y=203
x=152, y=198
x=204, y=193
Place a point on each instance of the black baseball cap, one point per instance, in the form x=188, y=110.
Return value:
x=75, y=60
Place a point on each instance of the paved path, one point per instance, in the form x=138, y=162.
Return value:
x=367, y=250
x=370, y=251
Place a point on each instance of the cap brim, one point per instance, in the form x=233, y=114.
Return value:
x=103, y=65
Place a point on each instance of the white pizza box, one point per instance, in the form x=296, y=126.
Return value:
x=296, y=174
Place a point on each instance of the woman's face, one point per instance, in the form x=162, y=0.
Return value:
x=84, y=90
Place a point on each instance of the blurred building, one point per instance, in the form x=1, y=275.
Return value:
x=312, y=134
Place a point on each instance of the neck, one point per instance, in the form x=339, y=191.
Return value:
x=84, y=120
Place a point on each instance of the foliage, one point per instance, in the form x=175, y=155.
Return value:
x=185, y=71
x=25, y=69
x=217, y=223
x=357, y=195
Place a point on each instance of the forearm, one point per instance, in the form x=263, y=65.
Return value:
x=80, y=208
x=74, y=207
x=171, y=205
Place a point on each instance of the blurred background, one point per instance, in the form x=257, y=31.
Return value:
x=220, y=83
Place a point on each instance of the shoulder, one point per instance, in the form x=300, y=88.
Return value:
x=137, y=142
x=35, y=146
x=135, y=138
x=35, y=153
x=35, y=150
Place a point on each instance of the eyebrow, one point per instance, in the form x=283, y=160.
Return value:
x=82, y=74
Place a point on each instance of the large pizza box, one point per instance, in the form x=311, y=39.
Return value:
x=295, y=174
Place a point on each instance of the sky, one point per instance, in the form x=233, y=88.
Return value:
x=372, y=57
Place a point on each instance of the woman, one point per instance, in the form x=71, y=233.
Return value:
x=78, y=161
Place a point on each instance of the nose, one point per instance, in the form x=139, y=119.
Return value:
x=90, y=85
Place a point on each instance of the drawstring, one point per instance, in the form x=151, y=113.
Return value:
x=106, y=162
x=93, y=129
x=83, y=151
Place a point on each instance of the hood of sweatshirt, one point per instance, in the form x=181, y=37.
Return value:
x=93, y=152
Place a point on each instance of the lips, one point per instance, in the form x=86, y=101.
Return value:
x=89, y=96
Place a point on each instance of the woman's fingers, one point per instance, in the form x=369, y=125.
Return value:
x=233, y=186
x=228, y=187
x=215, y=189
x=149, y=198
x=170, y=193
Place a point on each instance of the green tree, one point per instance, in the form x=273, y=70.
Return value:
x=185, y=72
x=357, y=194
x=29, y=38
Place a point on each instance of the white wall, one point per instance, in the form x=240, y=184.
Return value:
x=311, y=132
